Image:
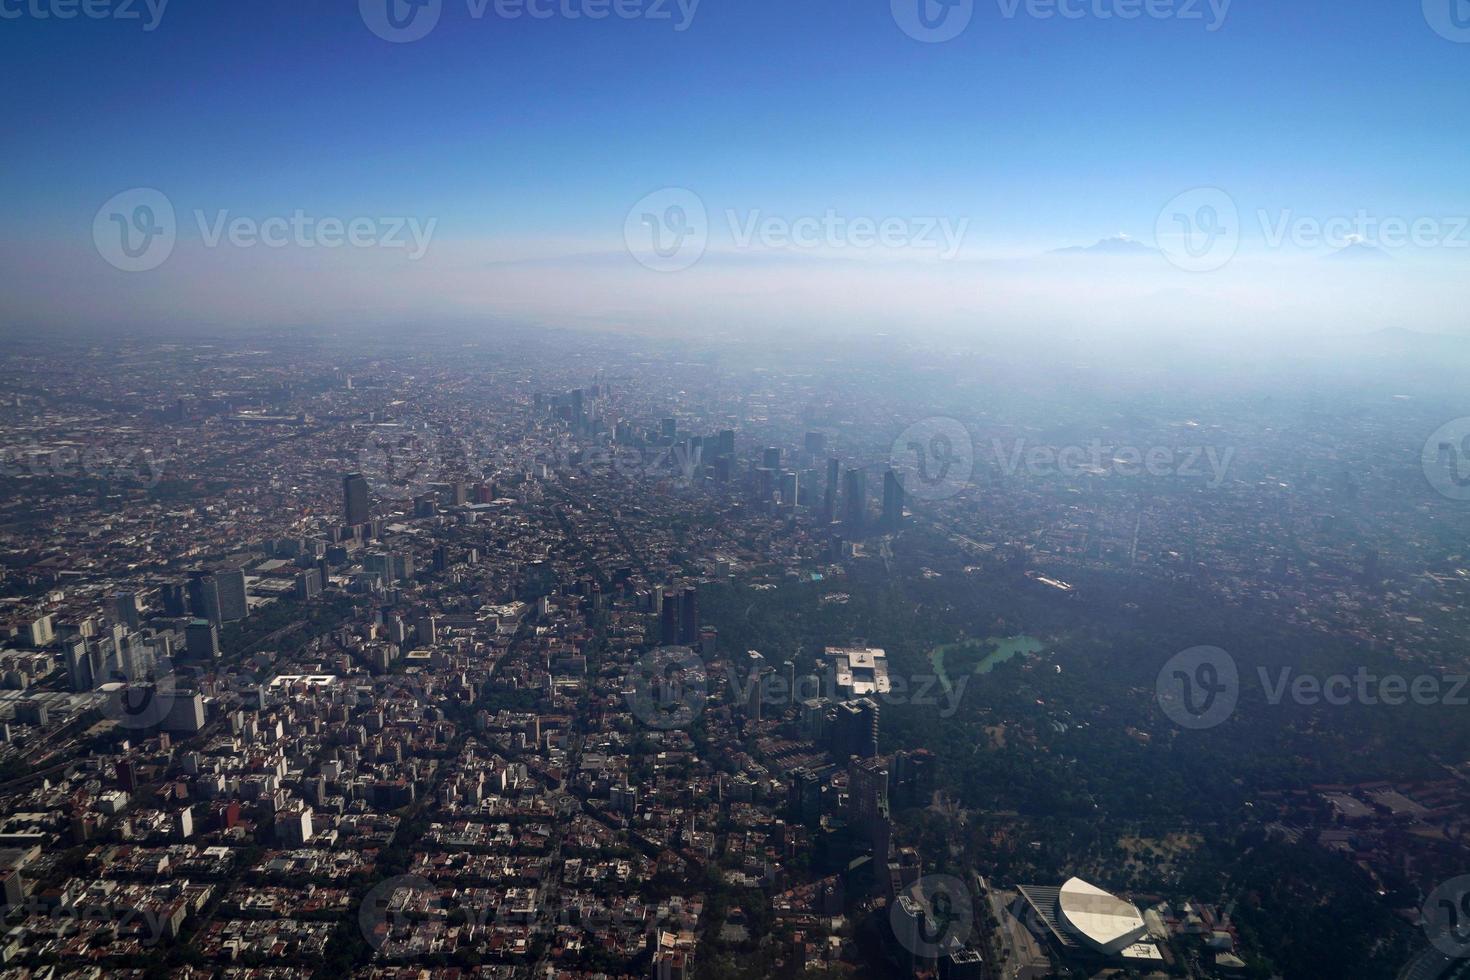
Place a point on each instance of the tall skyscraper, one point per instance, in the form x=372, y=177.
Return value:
x=790, y=491
x=771, y=458
x=755, y=684
x=355, y=506
x=829, y=501
x=230, y=585
x=669, y=623
x=892, y=500
x=79, y=668
x=867, y=782
x=175, y=599
x=201, y=640
x=204, y=597
x=856, y=505
x=125, y=609
x=689, y=617
x=308, y=584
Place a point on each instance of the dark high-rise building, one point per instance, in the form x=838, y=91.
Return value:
x=829, y=501
x=669, y=429
x=765, y=482
x=727, y=442
x=204, y=597
x=175, y=599
x=669, y=621
x=755, y=682
x=856, y=505
x=201, y=640
x=854, y=729
x=230, y=587
x=689, y=617
x=816, y=443
x=867, y=792
x=355, y=508
x=892, y=500
x=804, y=797
x=789, y=489
x=308, y=584
x=771, y=458
x=125, y=609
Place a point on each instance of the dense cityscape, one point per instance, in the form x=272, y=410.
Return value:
x=735, y=490
x=575, y=655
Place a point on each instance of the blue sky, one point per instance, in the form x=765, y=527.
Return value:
x=529, y=136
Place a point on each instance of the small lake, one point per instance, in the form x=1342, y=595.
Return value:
x=1004, y=648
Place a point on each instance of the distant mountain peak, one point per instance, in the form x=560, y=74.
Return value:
x=1119, y=244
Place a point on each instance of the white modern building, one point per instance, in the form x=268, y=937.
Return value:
x=860, y=671
x=1082, y=917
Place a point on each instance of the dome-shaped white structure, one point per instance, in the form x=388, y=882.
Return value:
x=1100, y=920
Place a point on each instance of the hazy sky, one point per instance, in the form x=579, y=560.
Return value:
x=818, y=152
